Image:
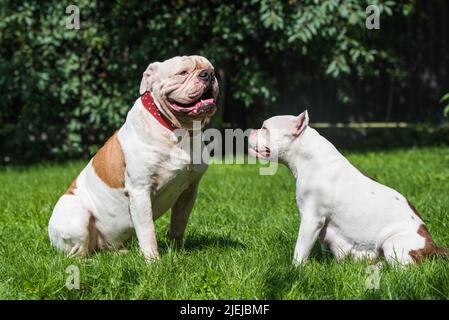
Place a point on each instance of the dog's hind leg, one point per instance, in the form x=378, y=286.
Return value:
x=398, y=249
x=69, y=226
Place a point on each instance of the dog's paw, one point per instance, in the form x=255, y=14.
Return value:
x=151, y=257
x=298, y=263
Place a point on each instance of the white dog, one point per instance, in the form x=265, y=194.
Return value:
x=141, y=171
x=350, y=213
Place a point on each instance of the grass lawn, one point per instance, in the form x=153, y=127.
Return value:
x=239, y=242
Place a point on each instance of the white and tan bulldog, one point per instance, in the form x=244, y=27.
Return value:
x=141, y=171
x=351, y=213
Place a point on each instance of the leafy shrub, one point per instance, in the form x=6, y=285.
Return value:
x=63, y=91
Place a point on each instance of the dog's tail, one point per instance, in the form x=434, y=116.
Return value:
x=442, y=252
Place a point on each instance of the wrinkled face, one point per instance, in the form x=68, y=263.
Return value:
x=186, y=87
x=273, y=140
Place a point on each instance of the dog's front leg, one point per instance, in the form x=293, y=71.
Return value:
x=142, y=217
x=308, y=233
x=180, y=214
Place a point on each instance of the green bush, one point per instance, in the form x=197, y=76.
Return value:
x=63, y=91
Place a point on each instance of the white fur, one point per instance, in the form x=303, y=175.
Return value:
x=351, y=213
x=97, y=216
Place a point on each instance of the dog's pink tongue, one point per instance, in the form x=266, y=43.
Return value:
x=196, y=107
x=205, y=102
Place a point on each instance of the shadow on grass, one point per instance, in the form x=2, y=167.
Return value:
x=191, y=243
x=283, y=274
x=199, y=242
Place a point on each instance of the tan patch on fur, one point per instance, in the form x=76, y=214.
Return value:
x=96, y=238
x=429, y=248
x=202, y=66
x=109, y=163
x=71, y=189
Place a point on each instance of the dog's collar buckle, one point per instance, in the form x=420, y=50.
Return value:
x=150, y=105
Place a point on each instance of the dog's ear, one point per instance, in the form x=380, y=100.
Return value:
x=145, y=84
x=300, y=124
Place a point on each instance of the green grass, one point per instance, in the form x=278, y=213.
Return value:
x=239, y=242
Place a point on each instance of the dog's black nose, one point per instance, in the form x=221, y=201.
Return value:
x=205, y=75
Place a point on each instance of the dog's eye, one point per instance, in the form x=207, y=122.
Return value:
x=183, y=73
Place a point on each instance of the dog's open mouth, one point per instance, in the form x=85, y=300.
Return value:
x=205, y=104
x=257, y=152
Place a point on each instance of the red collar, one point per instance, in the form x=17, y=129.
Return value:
x=150, y=105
